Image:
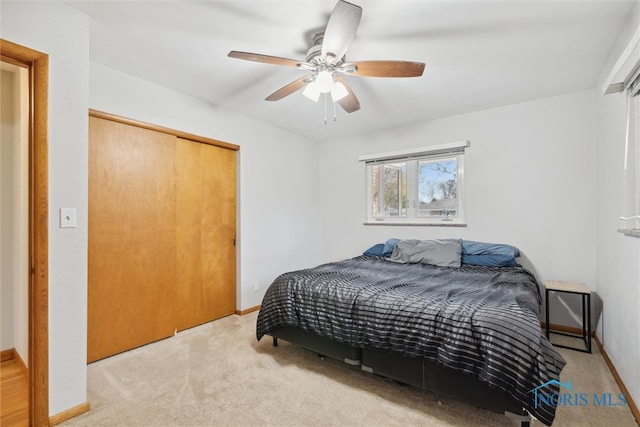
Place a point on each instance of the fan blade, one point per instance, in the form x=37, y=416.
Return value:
x=276, y=60
x=349, y=103
x=388, y=68
x=290, y=88
x=341, y=29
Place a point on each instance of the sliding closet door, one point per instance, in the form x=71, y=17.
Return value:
x=206, y=228
x=132, y=237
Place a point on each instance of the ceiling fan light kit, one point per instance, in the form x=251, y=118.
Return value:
x=338, y=91
x=326, y=62
x=324, y=83
x=311, y=91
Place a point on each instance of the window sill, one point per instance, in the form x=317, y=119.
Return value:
x=632, y=232
x=419, y=224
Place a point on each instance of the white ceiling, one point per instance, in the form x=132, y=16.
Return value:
x=479, y=54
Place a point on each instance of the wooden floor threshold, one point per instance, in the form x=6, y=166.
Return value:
x=14, y=392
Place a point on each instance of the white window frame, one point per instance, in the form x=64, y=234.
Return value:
x=412, y=157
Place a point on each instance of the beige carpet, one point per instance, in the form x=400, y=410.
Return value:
x=219, y=375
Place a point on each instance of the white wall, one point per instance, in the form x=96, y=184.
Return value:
x=63, y=34
x=278, y=174
x=618, y=256
x=528, y=182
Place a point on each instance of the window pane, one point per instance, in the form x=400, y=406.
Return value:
x=391, y=192
x=388, y=182
x=437, y=188
x=375, y=200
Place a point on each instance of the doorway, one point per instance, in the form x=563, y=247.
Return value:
x=14, y=250
x=37, y=66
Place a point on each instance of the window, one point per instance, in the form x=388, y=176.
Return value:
x=624, y=78
x=438, y=188
x=631, y=184
x=389, y=190
x=421, y=186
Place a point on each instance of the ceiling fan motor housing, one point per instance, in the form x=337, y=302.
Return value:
x=314, y=54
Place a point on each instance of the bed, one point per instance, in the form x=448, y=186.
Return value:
x=468, y=330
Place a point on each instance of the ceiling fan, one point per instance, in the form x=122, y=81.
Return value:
x=326, y=62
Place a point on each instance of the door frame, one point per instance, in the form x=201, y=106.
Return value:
x=38, y=66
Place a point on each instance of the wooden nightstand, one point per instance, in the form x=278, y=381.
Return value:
x=571, y=288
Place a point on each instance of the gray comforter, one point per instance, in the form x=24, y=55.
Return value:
x=479, y=320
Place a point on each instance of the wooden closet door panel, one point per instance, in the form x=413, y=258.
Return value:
x=132, y=229
x=189, y=251
x=206, y=227
x=219, y=228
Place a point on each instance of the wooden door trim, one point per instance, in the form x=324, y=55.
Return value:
x=38, y=64
x=177, y=133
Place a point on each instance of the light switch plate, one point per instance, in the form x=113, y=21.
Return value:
x=67, y=217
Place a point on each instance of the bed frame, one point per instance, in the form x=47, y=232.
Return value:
x=408, y=370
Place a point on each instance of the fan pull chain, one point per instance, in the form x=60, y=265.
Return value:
x=325, y=109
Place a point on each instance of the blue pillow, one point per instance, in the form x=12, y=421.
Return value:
x=480, y=248
x=389, y=246
x=375, y=250
x=490, y=260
